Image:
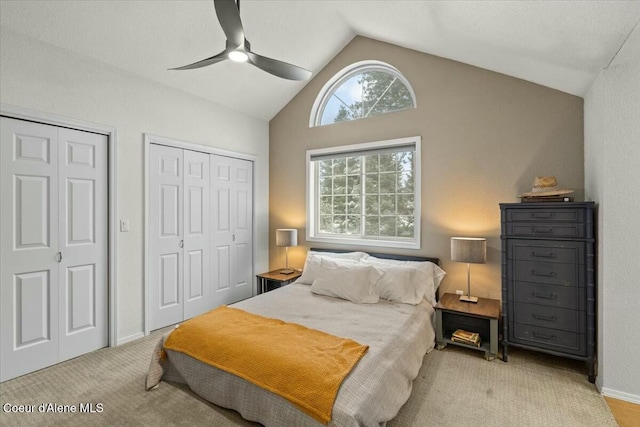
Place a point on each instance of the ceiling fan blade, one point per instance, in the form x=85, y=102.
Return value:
x=229, y=18
x=278, y=68
x=216, y=58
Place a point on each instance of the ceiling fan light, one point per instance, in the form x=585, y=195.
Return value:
x=238, y=56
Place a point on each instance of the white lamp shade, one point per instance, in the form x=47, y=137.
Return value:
x=469, y=249
x=286, y=237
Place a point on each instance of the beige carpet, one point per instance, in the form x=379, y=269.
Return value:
x=455, y=387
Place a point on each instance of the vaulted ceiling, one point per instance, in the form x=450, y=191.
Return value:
x=560, y=44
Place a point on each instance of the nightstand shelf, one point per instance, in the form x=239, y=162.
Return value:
x=274, y=279
x=481, y=317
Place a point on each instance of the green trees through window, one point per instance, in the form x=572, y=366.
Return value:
x=362, y=90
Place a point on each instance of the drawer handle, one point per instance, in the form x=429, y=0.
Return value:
x=539, y=255
x=546, y=318
x=544, y=337
x=537, y=295
x=550, y=274
x=542, y=215
x=538, y=230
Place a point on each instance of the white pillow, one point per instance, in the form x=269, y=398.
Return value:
x=429, y=275
x=399, y=283
x=312, y=263
x=351, y=281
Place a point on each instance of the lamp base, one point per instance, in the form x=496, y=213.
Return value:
x=286, y=271
x=468, y=298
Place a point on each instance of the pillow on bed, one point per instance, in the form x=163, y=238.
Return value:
x=312, y=263
x=399, y=283
x=347, y=280
x=428, y=275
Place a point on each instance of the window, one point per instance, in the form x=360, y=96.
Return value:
x=363, y=89
x=365, y=194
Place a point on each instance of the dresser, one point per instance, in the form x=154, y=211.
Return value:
x=548, y=280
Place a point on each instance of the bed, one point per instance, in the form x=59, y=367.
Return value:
x=397, y=334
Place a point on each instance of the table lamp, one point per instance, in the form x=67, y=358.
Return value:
x=286, y=237
x=472, y=250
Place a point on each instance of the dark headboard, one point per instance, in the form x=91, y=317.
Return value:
x=385, y=256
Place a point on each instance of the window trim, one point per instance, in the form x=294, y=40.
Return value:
x=343, y=75
x=312, y=191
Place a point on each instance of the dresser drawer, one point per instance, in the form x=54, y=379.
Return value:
x=564, y=319
x=546, y=215
x=550, y=295
x=547, y=338
x=565, y=252
x=546, y=230
x=546, y=272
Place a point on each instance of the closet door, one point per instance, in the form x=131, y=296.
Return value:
x=53, y=245
x=82, y=237
x=232, y=229
x=165, y=236
x=29, y=283
x=197, y=289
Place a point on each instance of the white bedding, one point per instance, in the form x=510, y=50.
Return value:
x=398, y=335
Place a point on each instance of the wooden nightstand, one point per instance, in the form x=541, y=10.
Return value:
x=275, y=279
x=481, y=317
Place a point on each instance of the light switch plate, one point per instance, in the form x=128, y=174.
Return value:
x=124, y=225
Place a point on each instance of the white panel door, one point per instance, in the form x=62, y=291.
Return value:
x=28, y=247
x=82, y=231
x=242, y=223
x=232, y=229
x=53, y=245
x=165, y=236
x=197, y=288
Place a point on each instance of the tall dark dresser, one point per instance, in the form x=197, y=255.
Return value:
x=548, y=280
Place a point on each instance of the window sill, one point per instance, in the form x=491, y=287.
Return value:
x=411, y=244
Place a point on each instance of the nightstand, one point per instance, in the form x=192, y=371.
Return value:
x=275, y=279
x=481, y=317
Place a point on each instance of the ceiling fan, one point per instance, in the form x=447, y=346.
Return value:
x=238, y=47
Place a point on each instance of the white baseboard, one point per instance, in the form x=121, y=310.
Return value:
x=621, y=395
x=130, y=338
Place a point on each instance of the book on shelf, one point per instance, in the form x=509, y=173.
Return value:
x=466, y=337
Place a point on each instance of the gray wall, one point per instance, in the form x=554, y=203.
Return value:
x=612, y=177
x=485, y=136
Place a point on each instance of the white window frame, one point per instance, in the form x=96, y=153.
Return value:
x=313, y=200
x=343, y=75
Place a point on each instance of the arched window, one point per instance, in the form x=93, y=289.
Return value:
x=363, y=89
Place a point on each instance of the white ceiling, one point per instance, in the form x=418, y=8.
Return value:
x=560, y=44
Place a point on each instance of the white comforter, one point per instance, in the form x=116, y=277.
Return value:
x=398, y=336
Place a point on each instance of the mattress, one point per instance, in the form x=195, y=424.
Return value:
x=398, y=336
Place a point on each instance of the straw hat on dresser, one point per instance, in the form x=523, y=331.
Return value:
x=545, y=186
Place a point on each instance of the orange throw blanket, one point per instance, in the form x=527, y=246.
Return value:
x=303, y=365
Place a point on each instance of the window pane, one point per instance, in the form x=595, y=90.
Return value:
x=405, y=204
x=405, y=182
x=371, y=184
x=340, y=166
x=372, y=205
x=339, y=184
x=353, y=224
x=354, y=165
x=326, y=224
x=325, y=185
x=388, y=204
x=405, y=226
x=388, y=162
x=326, y=207
x=371, y=163
x=339, y=224
x=372, y=226
x=388, y=226
x=353, y=184
x=353, y=205
x=339, y=205
x=387, y=183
